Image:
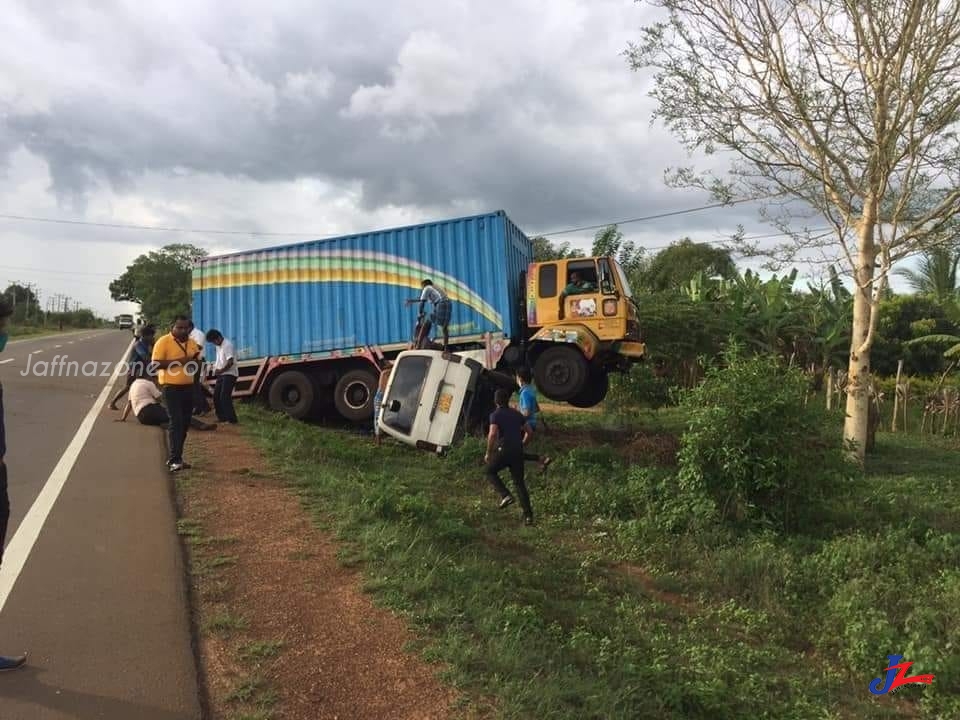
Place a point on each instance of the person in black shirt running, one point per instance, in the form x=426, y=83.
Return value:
x=509, y=433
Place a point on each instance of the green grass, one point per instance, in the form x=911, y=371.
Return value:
x=225, y=623
x=24, y=331
x=260, y=651
x=602, y=612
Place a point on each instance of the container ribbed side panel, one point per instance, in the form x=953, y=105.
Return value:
x=342, y=293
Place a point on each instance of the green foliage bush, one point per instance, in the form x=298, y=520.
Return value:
x=640, y=386
x=763, y=454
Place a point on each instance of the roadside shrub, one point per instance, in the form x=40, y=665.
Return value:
x=640, y=386
x=765, y=456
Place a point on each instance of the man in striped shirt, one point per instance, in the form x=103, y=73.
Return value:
x=442, y=309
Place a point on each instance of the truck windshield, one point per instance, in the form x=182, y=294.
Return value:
x=624, y=283
x=404, y=399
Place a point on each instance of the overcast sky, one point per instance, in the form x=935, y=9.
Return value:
x=320, y=118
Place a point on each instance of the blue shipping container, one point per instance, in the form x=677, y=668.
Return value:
x=339, y=294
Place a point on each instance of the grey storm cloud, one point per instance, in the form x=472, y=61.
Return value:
x=518, y=107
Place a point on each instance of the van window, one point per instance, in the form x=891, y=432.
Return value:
x=408, y=378
x=547, y=280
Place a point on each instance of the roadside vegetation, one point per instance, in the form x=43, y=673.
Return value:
x=703, y=548
x=716, y=559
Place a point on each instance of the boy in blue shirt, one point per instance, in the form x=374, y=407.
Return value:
x=530, y=409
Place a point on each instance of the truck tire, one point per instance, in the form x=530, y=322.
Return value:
x=561, y=372
x=292, y=392
x=354, y=393
x=593, y=392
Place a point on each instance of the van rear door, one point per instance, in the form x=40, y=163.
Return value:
x=426, y=397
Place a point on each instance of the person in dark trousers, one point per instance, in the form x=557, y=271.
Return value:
x=509, y=433
x=7, y=662
x=226, y=373
x=177, y=358
x=138, y=360
x=530, y=409
x=200, y=393
x=442, y=309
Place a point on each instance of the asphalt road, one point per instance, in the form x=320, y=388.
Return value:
x=98, y=595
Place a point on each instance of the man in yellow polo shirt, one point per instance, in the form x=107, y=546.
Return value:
x=177, y=358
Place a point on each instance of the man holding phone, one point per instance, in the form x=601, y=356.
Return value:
x=177, y=358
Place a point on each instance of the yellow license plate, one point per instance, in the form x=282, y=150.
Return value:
x=445, y=401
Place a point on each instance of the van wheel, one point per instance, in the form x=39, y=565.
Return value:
x=354, y=395
x=292, y=392
x=561, y=372
x=593, y=392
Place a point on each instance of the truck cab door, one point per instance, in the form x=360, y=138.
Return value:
x=426, y=398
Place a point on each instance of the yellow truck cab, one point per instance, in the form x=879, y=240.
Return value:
x=582, y=322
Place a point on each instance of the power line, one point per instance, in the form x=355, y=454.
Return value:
x=48, y=271
x=57, y=272
x=264, y=233
x=155, y=228
x=647, y=217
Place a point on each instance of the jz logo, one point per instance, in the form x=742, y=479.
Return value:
x=897, y=676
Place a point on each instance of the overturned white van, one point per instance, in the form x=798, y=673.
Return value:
x=430, y=397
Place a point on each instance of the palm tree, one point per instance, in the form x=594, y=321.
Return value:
x=936, y=274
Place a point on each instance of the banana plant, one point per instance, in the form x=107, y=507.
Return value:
x=828, y=321
x=941, y=340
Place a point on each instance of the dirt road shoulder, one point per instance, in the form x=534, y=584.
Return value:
x=285, y=630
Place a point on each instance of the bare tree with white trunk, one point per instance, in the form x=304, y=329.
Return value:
x=848, y=107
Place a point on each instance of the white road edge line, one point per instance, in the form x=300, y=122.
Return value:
x=18, y=550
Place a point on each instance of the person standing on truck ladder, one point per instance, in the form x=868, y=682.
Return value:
x=177, y=357
x=509, y=433
x=442, y=309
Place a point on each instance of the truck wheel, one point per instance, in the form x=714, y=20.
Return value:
x=292, y=392
x=354, y=395
x=594, y=392
x=561, y=372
